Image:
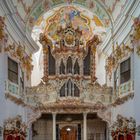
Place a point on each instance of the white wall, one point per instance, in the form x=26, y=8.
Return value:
x=137, y=89
x=8, y=109
x=37, y=72
x=100, y=69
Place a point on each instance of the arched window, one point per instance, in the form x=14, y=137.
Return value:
x=69, y=88
x=76, y=67
x=69, y=65
x=62, y=67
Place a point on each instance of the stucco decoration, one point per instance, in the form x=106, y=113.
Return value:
x=120, y=100
x=45, y=6
x=105, y=115
x=124, y=127
x=99, y=108
x=18, y=51
x=136, y=35
x=119, y=52
x=14, y=127
x=24, y=7
x=88, y=23
x=70, y=91
x=71, y=14
x=32, y=116
x=70, y=42
x=45, y=98
x=3, y=35
x=32, y=14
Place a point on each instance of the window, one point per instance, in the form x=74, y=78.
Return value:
x=12, y=71
x=69, y=65
x=125, y=71
x=76, y=67
x=62, y=67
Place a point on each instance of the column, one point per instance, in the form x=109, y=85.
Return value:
x=85, y=126
x=54, y=125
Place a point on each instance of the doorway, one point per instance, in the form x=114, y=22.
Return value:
x=68, y=133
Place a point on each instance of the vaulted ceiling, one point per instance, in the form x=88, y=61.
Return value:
x=33, y=14
x=30, y=10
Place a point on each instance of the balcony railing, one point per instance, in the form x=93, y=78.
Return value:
x=13, y=89
x=125, y=89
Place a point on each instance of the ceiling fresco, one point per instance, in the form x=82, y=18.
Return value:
x=93, y=16
x=44, y=6
x=79, y=17
x=32, y=9
x=64, y=16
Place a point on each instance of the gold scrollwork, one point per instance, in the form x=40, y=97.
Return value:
x=3, y=35
x=136, y=34
x=120, y=52
x=18, y=51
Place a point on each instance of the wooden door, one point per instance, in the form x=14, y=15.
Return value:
x=68, y=133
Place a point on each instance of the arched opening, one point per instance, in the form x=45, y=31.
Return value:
x=69, y=88
x=69, y=65
x=62, y=91
x=76, y=67
x=76, y=91
x=62, y=67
